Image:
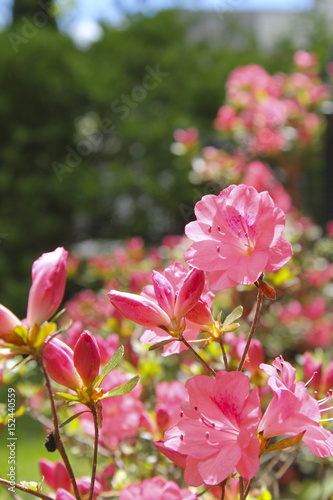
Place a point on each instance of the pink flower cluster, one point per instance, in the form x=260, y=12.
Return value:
x=267, y=108
x=216, y=434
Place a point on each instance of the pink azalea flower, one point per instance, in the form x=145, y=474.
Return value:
x=217, y=430
x=292, y=410
x=156, y=488
x=164, y=306
x=237, y=235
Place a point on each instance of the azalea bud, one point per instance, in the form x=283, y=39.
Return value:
x=139, y=309
x=164, y=293
x=58, y=360
x=48, y=286
x=55, y=474
x=201, y=314
x=8, y=322
x=189, y=293
x=86, y=357
x=63, y=495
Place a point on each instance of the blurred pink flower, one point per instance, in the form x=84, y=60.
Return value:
x=305, y=60
x=292, y=410
x=319, y=378
x=168, y=406
x=217, y=429
x=156, y=488
x=122, y=415
x=237, y=235
x=48, y=286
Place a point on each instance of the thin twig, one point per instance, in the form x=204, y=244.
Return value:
x=225, y=359
x=247, y=489
x=57, y=437
x=94, y=464
x=253, y=327
x=25, y=490
x=202, y=361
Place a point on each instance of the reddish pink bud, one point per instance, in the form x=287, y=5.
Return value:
x=8, y=321
x=55, y=474
x=201, y=313
x=63, y=495
x=48, y=286
x=139, y=309
x=164, y=293
x=58, y=360
x=87, y=358
x=189, y=293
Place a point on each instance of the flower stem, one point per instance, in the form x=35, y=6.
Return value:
x=202, y=361
x=247, y=489
x=94, y=464
x=253, y=327
x=225, y=359
x=25, y=490
x=56, y=432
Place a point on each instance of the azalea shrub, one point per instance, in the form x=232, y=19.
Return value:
x=200, y=368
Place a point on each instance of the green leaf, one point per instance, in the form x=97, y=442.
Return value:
x=123, y=388
x=32, y=485
x=235, y=314
x=109, y=367
x=73, y=417
x=160, y=344
x=65, y=395
x=286, y=443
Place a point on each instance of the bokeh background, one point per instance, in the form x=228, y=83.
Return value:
x=90, y=95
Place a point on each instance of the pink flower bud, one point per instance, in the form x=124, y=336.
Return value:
x=164, y=293
x=55, y=474
x=189, y=293
x=139, y=309
x=87, y=358
x=8, y=321
x=58, y=360
x=63, y=495
x=48, y=286
x=201, y=313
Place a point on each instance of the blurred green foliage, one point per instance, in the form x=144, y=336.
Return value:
x=85, y=142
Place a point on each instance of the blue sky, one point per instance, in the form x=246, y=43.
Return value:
x=111, y=10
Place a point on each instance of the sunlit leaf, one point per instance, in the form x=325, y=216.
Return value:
x=109, y=367
x=123, y=388
x=286, y=443
x=73, y=417
x=234, y=315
